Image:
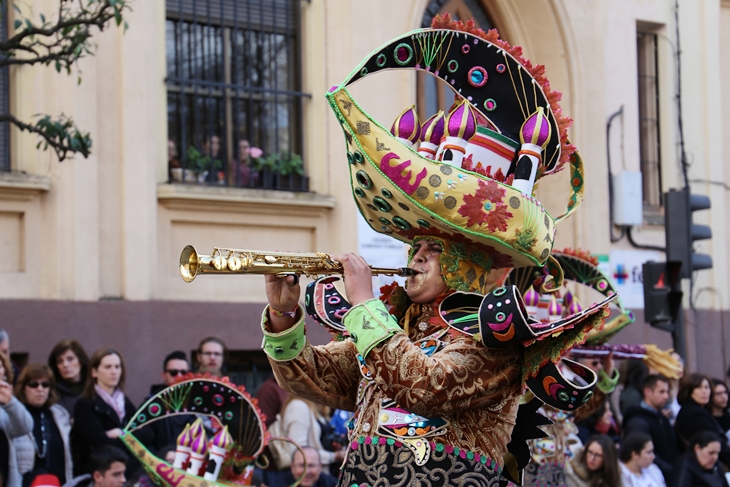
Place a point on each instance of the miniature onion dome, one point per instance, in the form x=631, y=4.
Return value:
x=196, y=428
x=534, y=135
x=536, y=129
x=568, y=298
x=200, y=444
x=432, y=131
x=555, y=310
x=186, y=437
x=222, y=439
x=575, y=307
x=532, y=298
x=407, y=127
x=461, y=124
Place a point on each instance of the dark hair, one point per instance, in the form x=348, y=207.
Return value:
x=609, y=475
x=702, y=439
x=103, y=456
x=96, y=358
x=34, y=372
x=651, y=381
x=61, y=348
x=633, y=443
x=636, y=373
x=689, y=384
x=176, y=355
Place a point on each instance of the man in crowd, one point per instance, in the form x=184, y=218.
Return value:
x=648, y=418
x=164, y=432
x=109, y=466
x=211, y=356
x=175, y=365
x=314, y=477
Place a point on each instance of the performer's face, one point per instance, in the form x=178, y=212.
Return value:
x=428, y=284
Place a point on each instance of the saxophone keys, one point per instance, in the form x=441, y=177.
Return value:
x=270, y=259
x=234, y=263
x=219, y=262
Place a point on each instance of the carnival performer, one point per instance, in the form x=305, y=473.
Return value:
x=435, y=372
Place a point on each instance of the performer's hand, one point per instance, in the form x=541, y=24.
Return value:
x=358, y=278
x=283, y=295
x=608, y=364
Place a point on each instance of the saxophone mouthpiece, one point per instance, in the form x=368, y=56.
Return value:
x=407, y=271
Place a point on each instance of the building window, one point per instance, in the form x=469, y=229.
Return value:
x=4, y=100
x=234, y=105
x=434, y=95
x=649, y=141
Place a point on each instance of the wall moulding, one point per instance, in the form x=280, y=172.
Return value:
x=18, y=186
x=212, y=198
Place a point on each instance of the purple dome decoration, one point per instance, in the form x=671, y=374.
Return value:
x=575, y=307
x=186, y=437
x=432, y=129
x=555, y=308
x=568, y=298
x=461, y=122
x=200, y=444
x=222, y=439
x=532, y=298
x=536, y=129
x=407, y=126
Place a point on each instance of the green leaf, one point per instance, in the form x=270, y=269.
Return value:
x=58, y=66
x=43, y=18
x=17, y=24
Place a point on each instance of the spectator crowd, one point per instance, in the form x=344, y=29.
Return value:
x=61, y=424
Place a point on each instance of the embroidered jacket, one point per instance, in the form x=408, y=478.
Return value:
x=435, y=406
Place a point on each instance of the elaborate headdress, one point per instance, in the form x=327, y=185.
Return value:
x=507, y=127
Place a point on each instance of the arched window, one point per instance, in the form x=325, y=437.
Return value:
x=431, y=94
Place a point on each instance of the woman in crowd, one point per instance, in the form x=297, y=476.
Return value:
x=47, y=448
x=15, y=421
x=718, y=406
x=303, y=422
x=595, y=465
x=695, y=393
x=700, y=467
x=69, y=364
x=601, y=422
x=102, y=410
x=637, y=462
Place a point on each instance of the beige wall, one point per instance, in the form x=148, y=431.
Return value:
x=109, y=227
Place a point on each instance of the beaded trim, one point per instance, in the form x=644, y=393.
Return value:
x=439, y=447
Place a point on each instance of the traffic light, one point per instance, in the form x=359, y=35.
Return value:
x=662, y=294
x=681, y=233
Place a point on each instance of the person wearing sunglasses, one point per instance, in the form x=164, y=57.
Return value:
x=46, y=449
x=164, y=432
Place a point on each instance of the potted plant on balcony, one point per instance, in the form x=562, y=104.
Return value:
x=199, y=165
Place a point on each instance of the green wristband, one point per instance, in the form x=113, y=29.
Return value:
x=284, y=345
x=605, y=383
x=369, y=324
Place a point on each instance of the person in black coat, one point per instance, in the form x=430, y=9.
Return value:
x=700, y=465
x=647, y=418
x=101, y=412
x=694, y=395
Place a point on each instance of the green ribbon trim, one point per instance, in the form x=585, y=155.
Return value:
x=287, y=344
x=369, y=324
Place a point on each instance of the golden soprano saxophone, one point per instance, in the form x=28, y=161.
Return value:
x=236, y=261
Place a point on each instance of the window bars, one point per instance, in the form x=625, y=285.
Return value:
x=234, y=105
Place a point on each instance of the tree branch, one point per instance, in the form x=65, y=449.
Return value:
x=61, y=135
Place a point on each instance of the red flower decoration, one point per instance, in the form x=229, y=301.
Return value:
x=497, y=218
x=489, y=190
x=473, y=210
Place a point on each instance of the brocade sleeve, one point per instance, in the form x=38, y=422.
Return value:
x=327, y=374
x=462, y=375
